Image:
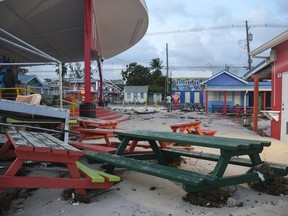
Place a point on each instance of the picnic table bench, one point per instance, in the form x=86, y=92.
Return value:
x=192, y=127
x=86, y=122
x=192, y=181
x=43, y=147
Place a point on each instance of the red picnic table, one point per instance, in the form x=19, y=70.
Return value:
x=192, y=127
x=95, y=133
x=43, y=147
x=86, y=122
x=108, y=146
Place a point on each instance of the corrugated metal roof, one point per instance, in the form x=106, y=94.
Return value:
x=263, y=67
x=133, y=89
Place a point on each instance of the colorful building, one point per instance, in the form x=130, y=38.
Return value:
x=275, y=67
x=187, y=85
x=224, y=91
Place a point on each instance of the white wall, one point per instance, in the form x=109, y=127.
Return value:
x=135, y=97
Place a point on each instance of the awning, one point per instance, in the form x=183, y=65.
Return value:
x=56, y=27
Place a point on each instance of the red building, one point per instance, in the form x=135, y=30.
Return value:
x=276, y=69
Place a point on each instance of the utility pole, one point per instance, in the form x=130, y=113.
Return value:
x=248, y=39
x=167, y=67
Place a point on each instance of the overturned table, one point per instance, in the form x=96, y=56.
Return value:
x=192, y=181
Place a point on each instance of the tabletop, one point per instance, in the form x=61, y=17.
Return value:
x=40, y=142
x=224, y=143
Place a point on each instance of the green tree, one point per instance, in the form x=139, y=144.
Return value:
x=64, y=70
x=137, y=75
x=156, y=67
x=22, y=71
x=76, y=71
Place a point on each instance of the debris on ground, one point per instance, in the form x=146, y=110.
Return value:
x=271, y=183
x=176, y=162
x=216, y=198
x=72, y=197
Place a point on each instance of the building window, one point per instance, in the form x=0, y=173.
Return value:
x=141, y=95
x=128, y=95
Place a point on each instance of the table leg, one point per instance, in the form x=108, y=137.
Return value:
x=157, y=152
x=132, y=146
x=15, y=166
x=120, y=151
x=108, y=143
x=74, y=173
x=221, y=166
x=122, y=146
x=255, y=159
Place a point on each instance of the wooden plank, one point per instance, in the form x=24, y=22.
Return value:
x=93, y=147
x=191, y=139
x=97, y=175
x=170, y=173
x=94, y=176
x=19, y=142
x=279, y=169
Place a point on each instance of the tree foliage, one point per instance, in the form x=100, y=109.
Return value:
x=64, y=70
x=136, y=75
x=139, y=75
x=22, y=71
x=76, y=71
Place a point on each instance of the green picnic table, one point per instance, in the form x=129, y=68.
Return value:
x=192, y=181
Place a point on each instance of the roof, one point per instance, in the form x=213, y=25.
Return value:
x=263, y=86
x=134, y=89
x=57, y=28
x=271, y=43
x=27, y=78
x=263, y=68
x=224, y=73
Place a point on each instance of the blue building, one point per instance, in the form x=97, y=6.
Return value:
x=225, y=89
x=187, y=85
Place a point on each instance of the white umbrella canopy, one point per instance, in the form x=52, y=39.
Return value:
x=56, y=27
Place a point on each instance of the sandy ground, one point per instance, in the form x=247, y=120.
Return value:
x=133, y=195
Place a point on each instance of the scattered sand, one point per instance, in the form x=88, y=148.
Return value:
x=141, y=194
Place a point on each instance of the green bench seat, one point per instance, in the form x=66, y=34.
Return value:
x=279, y=169
x=170, y=173
x=96, y=175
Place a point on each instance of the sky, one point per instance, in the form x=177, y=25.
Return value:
x=201, y=35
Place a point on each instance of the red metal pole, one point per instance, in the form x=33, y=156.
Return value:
x=206, y=101
x=87, y=48
x=100, y=97
x=255, y=110
x=225, y=103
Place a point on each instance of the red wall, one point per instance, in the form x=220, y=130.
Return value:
x=278, y=67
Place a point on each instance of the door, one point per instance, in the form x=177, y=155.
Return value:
x=284, y=108
x=187, y=97
x=196, y=97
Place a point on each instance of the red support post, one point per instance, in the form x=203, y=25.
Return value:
x=255, y=109
x=225, y=102
x=87, y=48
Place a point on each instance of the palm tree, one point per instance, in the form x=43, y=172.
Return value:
x=156, y=66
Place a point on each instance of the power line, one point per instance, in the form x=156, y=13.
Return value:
x=217, y=28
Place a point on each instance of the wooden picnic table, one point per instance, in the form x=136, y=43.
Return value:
x=192, y=127
x=86, y=122
x=43, y=147
x=192, y=181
